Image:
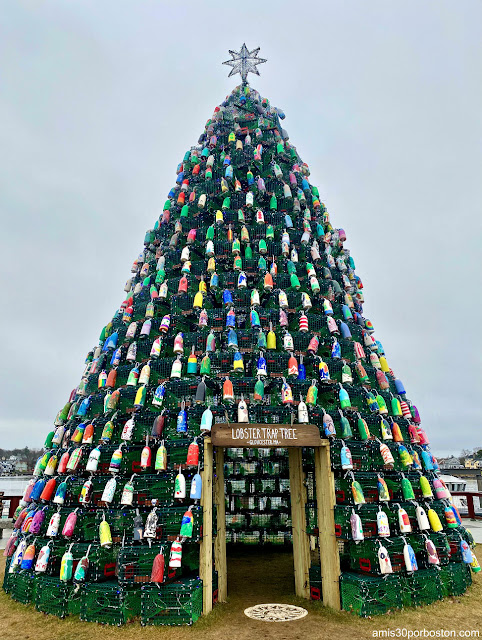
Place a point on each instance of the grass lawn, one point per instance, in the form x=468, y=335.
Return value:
x=254, y=578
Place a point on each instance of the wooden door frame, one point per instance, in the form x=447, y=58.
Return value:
x=213, y=478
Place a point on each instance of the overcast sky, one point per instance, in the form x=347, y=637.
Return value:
x=99, y=100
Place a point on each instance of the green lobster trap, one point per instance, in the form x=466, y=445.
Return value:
x=83, y=527
x=86, y=528
x=368, y=596
x=161, y=369
x=236, y=453
x=264, y=486
x=311, y=515
x=102, y=561
x=268, y=414
x=245, y=468
x=134, y=563
x=74, y=601
x=364, y=555
x=360, y=453
x=159, y=486
x=368, y=515
x=391, y=510
x=269, y=520
x=121, y=522
x=454, y=537
x=315, y=582
x=368, y=482
x=301, y=341
x=277, y=538
x=21, y=586
x=442, y=546
x=169, y=522
x=236, y=521
x=74, y=486
x=274, y=503
x=126, y=398
x=424, y=587
x=275, y=467
x=237, y=487
x=143, y=422
x=376, y=457
x=52, y=595
x=109, y=603
x=98, y=484
x=175, y=604
x=6, y=576
x=248, y=537
x=177, y=454
x=456, y=578
x=394, y=485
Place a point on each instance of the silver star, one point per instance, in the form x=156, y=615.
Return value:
x=244, y=62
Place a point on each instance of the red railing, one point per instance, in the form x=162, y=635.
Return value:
x=470, y=495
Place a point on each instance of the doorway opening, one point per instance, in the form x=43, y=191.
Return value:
x=293, y=438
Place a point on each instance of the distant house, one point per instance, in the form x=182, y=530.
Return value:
x=6, y=467
x=13, y=465
x=450, y=463
x=472, y=463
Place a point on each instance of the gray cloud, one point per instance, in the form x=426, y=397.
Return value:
x=99, y=102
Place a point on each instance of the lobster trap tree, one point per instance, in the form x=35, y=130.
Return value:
x=244, y=307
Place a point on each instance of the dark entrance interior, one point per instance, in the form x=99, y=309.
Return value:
x=276, y=562
x=260, y=575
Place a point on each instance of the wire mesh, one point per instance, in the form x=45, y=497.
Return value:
x=109, y=603
x=52, y=596
x=456, y=577
x=174, y=604
x=367, y=596
x=21, y=586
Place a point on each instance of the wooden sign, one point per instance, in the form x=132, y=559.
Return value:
x=243, y=434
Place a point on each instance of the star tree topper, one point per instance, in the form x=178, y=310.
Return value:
x=244, y=62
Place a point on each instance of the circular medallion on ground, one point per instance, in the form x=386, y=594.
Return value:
x=275, y=612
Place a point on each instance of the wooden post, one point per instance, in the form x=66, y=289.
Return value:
x=206, y=548
x=301, y=549
x=220, y=541
x=329, y=556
